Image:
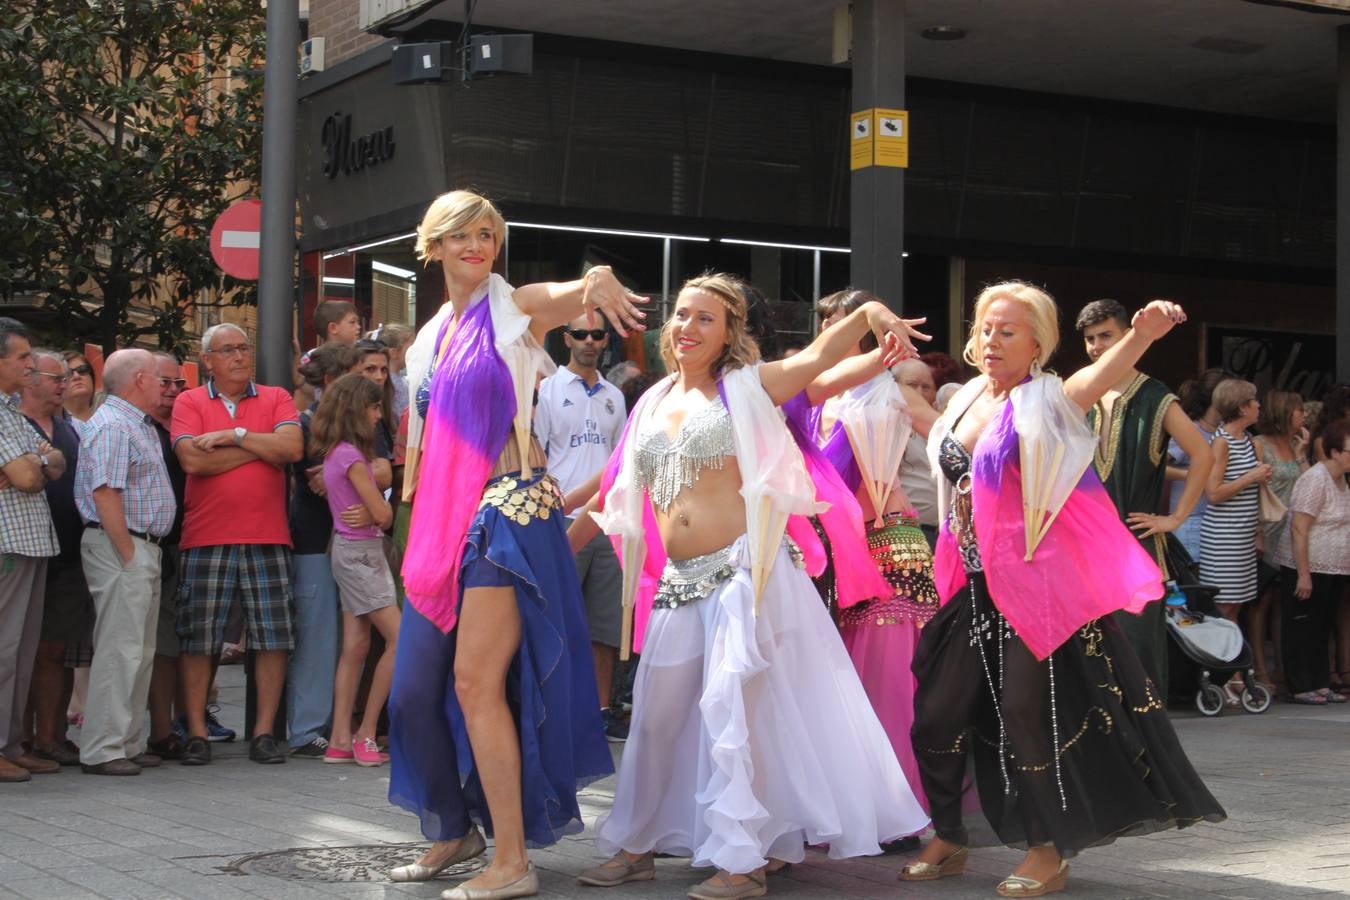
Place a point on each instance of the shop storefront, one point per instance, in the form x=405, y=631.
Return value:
x=664, y=164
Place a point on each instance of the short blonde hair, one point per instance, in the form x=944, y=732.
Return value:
x=741, y=349
x=1044, y=319
x=1230, y=395
x=451, y=212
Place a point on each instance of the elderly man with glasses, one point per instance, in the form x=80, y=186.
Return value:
x=68, y=610
x=122, y=490
x=234, y=438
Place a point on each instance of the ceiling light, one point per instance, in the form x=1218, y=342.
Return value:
x=944, y=33
x=581, y=229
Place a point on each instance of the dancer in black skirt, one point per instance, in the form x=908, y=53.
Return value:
x=1022, y=667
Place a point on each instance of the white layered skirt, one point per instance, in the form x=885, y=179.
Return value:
x=753, y=736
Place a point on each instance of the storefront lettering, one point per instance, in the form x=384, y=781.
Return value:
x=343, y=154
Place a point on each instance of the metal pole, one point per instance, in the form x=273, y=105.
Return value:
x=815, y=293
x=877, y=196
x=276, y=269
x=665, y=279
x=1343, y=203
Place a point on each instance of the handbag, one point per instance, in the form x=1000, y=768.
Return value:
x=1272, y=507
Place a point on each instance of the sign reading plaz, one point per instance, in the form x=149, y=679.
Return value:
x=345, y=154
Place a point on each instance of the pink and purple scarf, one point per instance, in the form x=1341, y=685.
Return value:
x=468, y=422
x=1087, y=566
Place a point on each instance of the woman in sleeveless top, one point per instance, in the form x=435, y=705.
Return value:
x=751, y=734
x=1228, y=536
x=880, y=633
x=1023, y=668
x=493, y=720
x=1281, y=444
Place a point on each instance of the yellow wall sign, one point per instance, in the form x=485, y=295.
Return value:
x=890, y=129
x=879, y=137
x=860, y=139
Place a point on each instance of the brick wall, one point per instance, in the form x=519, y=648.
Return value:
x=336, y=22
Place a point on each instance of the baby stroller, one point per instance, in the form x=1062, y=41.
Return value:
x=1216, y=646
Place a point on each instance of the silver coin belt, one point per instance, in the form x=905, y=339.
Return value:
x=685, y=581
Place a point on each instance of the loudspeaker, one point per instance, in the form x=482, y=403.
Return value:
x=420, y=63
x=490, y=54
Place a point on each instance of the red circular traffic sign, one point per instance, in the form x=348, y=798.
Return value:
x=235, y=239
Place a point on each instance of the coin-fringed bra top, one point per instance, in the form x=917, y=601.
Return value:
x=666, y=467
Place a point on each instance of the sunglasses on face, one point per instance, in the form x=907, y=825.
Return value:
x=61, y=378
x=82, y=369
x=179, y=383
x=580, y=334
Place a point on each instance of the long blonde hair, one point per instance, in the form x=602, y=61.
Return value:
x=1044, y=319
x=741, y=349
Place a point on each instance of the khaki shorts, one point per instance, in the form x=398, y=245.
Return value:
x=361, y=571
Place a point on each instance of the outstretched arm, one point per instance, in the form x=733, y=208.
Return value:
x=853, y=371
x=1188, y=437
x=553, y=303
x=788, y=377
x=1086, y=386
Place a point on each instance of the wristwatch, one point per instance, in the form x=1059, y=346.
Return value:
x=239, y=435
x=43, y=460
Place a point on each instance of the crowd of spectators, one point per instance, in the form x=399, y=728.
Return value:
x=147, y=525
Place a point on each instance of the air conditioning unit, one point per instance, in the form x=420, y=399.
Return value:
x=373, y=13
x=311, y=56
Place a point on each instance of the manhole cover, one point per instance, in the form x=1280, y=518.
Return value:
x=365, y=862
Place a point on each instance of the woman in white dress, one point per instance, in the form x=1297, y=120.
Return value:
x=751, y=734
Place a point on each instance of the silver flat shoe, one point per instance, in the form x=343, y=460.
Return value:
x=526, y=885
x=471, y=846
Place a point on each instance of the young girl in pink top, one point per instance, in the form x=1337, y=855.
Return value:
x=343, y=433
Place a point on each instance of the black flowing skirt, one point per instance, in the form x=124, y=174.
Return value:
x=1076, y=750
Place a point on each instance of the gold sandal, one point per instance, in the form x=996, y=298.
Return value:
x=1022, y=886
x=954, y=864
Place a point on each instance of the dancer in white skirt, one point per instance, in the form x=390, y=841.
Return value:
x=751, y=733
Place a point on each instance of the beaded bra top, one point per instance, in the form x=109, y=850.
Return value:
x=666, y=467
x=955, y=464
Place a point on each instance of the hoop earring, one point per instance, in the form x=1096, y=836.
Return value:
x=1036, y=370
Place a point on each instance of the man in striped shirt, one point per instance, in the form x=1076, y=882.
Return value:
x=123, y=491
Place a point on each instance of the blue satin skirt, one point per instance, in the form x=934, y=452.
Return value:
x=550, y=688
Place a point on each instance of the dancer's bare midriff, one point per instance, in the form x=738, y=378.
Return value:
x=705, y=516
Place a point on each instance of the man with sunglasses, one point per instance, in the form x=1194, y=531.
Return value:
x=578, y=421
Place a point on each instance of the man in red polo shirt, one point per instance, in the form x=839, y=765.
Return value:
x=234, y=438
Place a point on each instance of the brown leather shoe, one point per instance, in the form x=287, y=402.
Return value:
x=12, y=774
x=121, y=766
x=147, y=760
x=35, y=765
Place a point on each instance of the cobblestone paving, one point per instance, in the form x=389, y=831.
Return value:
x=206, y=833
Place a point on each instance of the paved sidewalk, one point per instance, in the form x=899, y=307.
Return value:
x=204, y=833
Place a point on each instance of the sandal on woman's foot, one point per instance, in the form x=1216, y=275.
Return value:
x=954, y=864
x=1233, y=693
x=777, y=867
x=1022, y=886
x=619, y=869
x=721, y=887
x=1331, y=696
x=1310, y=698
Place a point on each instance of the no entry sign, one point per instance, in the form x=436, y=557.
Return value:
x=235, y=239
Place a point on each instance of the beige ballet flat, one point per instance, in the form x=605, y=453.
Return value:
x=954, y=864
x=526, y=885
x=1021, y=886
x=471, y=846
x=721, y=887
x=619, y=869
